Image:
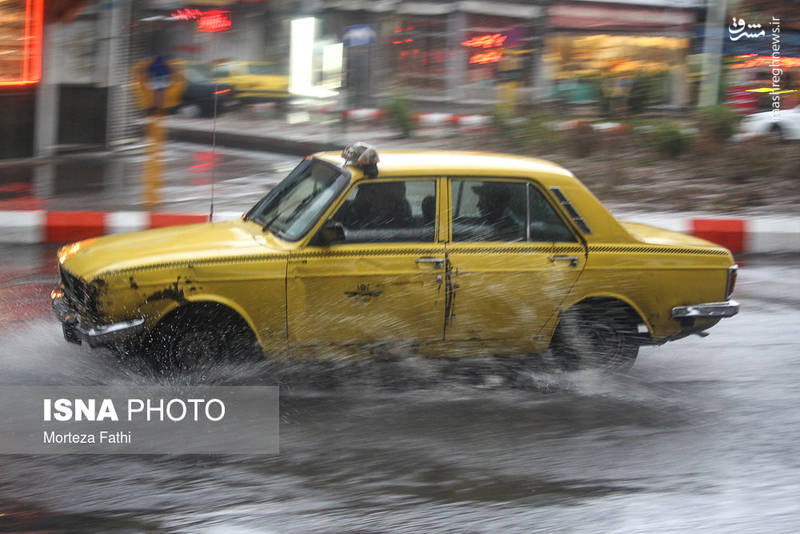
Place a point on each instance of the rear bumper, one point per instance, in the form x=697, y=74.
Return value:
x=712, y=310
x=96, y=336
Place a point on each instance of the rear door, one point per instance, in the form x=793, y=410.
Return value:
x=511, y=261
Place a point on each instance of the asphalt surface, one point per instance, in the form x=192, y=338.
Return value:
x=115, y=182
x=701, y=436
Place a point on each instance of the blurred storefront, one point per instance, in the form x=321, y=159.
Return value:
x=468, y=51
x=66, y=65
x=596, y=51
x=437, y=51
x=62, y=76
x=21, y=27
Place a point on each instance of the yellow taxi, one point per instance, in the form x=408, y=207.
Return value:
x=253, y=81
x=431, y=252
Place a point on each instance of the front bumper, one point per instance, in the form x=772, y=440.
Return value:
x=710, y=310
x=96, y=336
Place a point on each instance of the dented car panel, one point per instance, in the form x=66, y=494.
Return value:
x=430, y=278
x=228, y=263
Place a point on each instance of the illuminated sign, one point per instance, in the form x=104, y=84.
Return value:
x=486, y=42
x=21, y=42
x=492, y=56
x=766, y=61
x=489, y=40
x=215, y=20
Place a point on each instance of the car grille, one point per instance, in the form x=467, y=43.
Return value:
x=78, y=293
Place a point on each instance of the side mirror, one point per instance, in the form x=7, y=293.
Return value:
x=330, y=233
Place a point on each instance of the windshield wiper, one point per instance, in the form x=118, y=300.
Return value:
x=303, y=203
x=267, y=225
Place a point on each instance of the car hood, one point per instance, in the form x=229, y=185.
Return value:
x=658, y=236
x=91, y=257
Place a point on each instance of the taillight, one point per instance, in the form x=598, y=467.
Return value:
x=732, y=271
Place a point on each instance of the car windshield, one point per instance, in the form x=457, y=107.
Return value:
x=260, y=69
x=290, y=209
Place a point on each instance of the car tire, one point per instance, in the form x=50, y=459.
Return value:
x=776, y=132
x=199, y=339
x=190, y=111
x=596, y=336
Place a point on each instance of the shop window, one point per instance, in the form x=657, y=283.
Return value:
x=419, y=52
x=20, y=42
x=591, y=67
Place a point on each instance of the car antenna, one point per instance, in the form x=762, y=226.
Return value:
x=213, y=135
x=213, y=151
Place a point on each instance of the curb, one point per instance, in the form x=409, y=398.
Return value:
x=249, y=142
x=461, y=120
x=755, y=235
x=66, y=226
x=751, y=235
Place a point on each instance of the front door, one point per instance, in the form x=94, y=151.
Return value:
x=511, y=262
x=384, y=283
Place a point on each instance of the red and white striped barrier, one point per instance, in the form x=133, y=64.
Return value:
x=424, y=120
x=752, y=235
x=67, y=226
x=755, y=235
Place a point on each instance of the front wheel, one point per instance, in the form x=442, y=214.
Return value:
x=596, y=336
x=200, y=339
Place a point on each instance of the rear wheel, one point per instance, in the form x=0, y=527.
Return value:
x=190, y=111
x=599, y=335
x=777, y=133
x=200, y=338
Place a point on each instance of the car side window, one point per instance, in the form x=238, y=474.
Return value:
x=221, y=72
x=389, y=212
x=489, y=210
x=545, y=223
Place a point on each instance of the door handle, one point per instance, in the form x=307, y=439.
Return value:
x=438, y=262
x=573, y=261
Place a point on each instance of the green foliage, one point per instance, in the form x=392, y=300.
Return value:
x=719, y=122
x=501, y=120
x=400, y=116
x=541, y=136
x=669, y=139
x=639, y=95
x=609, y=97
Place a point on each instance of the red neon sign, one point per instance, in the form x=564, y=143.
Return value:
x=29, y=71
x=215, y=20
x=493, y=41
x=492, y=56
x=489, y=40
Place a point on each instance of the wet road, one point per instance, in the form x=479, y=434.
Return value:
x=702, y=435
x=103, y=182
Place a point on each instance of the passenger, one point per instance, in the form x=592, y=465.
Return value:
x=493, y=200
x=429, y=210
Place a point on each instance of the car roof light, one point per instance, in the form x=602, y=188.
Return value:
x=364, y=156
